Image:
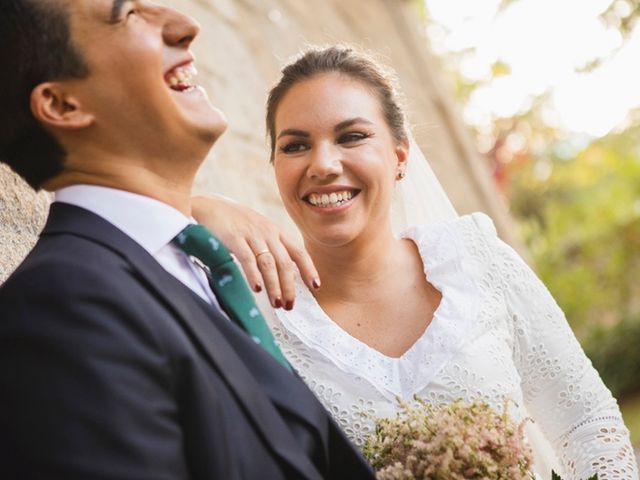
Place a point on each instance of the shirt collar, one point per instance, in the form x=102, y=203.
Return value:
x=151, y=223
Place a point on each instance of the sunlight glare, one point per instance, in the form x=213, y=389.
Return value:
x=546, y=45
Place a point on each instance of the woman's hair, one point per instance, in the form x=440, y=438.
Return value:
x=345, y=60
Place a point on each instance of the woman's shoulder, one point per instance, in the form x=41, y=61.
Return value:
x=456, y=232
x=464, y=245
x=482, y=222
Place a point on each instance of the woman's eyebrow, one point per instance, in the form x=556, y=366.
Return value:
x=294, y=133
x=350, y=122
x=340, y=126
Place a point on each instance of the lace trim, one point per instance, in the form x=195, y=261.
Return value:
x=601, y=447
x=588, y=421
x=445, y=336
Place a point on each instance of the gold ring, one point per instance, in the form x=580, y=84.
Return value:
x=261, y=252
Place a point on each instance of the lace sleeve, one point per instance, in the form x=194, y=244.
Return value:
x=562, y=390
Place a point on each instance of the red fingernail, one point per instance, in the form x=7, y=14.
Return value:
x=258, y=288
x=289, y=305
x=316, y=283
x=277, y=303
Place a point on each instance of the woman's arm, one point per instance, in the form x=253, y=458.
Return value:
x=246, y=233
x=562, y=391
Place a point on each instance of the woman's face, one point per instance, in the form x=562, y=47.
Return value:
x=336, y=160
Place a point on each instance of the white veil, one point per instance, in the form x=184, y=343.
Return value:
x=419, y=197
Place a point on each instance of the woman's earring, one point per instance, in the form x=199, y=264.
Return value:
x=400, y=175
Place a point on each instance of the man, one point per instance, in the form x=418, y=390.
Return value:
x=116, y=361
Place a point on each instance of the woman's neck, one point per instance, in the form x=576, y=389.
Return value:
x=350, y=272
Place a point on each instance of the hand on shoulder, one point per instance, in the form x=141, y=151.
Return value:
x=268, y=255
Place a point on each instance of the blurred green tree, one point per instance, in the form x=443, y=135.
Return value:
x=577, y=202
x=580, y=216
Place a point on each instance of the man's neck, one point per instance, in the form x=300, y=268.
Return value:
x=175, y=192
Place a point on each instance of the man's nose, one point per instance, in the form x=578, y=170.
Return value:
x=179, y=30
x=325, y=161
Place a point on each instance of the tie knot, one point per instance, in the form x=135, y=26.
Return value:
x=196, y=240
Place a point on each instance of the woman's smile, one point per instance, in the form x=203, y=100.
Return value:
x=336, y=169
x=330, y=200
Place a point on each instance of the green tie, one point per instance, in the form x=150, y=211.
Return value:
x=229, y=286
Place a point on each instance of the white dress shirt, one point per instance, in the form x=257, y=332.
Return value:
x=150, y=223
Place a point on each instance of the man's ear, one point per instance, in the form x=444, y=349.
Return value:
x=52, y=106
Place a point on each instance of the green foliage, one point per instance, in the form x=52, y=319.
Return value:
x=615, y=354
x=581, y=221
x=630, y=408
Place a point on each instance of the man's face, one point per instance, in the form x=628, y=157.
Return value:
x=140, y=88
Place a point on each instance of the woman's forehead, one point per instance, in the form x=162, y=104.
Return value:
x=330, y=98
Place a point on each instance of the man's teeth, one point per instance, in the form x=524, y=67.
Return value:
x=182, y=77
x=330, y=199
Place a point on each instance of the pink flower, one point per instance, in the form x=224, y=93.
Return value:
x=457, y=441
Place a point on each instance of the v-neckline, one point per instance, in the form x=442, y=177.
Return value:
x=410, y=372
x=362, y=344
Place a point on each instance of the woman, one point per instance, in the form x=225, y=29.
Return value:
x=447, y=311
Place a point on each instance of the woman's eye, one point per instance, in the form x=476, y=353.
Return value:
x=132, y=12
x=293, y=147
x=352, y=137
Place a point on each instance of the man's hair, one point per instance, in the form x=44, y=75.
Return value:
x=35, y=47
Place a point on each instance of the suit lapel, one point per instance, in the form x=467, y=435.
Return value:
x=297, y=399
x=231, y=368
x=65, y=218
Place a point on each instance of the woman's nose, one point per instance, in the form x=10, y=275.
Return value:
x=325, y=162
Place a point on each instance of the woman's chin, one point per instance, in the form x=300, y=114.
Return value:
x=332, y=237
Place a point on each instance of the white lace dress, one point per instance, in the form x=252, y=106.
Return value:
x=497, y=334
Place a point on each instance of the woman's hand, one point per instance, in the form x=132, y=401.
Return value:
x=267, y=255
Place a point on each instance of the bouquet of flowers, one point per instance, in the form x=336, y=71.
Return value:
x=457, y=442
x=453, y=442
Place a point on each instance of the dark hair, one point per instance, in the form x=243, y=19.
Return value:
x=36, y=47
x=345, y=60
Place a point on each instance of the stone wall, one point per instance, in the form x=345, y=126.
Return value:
x=22, y=215
x=240, y=50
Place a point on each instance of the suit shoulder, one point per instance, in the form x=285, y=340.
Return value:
x=67, y=287
x=55, y=261
x=70, y=277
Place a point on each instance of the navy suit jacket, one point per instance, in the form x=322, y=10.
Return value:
x=110, y=368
